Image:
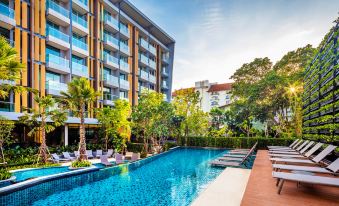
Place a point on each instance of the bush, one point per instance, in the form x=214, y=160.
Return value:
x=84, y=163
x=5, y=174
x=235, y=142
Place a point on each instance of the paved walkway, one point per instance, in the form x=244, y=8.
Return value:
x=261, y=189
x=227, y=189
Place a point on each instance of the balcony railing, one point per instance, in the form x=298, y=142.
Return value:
x=110, y=39
x=124, y=84
x=79, y=20
x=85, y=2
x=6, y=11
x=111, y=21
x=142, y=88
x=152, y=63
x=164, y=72
x=6, y=106
x=112, y=80
x=152, y=49
x=143, y=59
x=57, y=60
x=143, y=75
x=80, y=44
x=124, y=29
x=143, y=43
x=110, y=97
x=165, y=58
x=151, y=78
x=56, y=7
x=79, y=69
x=164, y=85
x=57, y=34
x=124, y=47
x=54, y=85
x=110, y=58
x=124, y=65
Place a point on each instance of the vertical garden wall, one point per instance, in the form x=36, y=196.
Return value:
x=321, y=92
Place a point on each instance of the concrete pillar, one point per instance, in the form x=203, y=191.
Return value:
x=66, y=134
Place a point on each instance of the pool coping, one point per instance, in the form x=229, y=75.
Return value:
x=39, y=180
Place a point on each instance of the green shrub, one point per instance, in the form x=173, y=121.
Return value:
x=5, y=174
x=235, y=142
x=84, y=163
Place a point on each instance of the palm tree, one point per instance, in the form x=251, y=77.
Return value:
x=40, y=121
x=10, y=68
x=79, y=95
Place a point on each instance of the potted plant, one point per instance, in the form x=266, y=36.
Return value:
x=80, y=164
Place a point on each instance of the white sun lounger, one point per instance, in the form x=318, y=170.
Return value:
x=291, y=145
x=104, y=160
x=288, y=148
x=302, y=155
x=68, y=156
x=57, y=159
x=299, y=148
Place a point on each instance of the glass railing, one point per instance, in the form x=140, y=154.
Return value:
x=124, y=65
x=124, y=47
x=57, y=60
x=165, y=58
x=124, y=29
x=112, y=21
x=79, y=20
x=6, y=11
x=58, y=8
x=110, y=97
x=142, y=88
x=151, y=78
x=124, y=84
x=143, y=59
x=57, y=34
x=152, y=49
x=110, y=58
x=111, y=79
x=56, y=85
x=164, y=84
x=164, y=71
x=143, y=74
x=80, y=44
x=79, y=69
x=111, y=39
x=152, y=64
x=143, y=43
x=6, y=106
x=85, y=2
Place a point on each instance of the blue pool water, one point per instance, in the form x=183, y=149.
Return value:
x=28, y=174
x=175, y=178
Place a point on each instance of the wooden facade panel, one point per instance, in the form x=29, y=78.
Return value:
x=36, y=16
x=24, y=15
x=17, y=8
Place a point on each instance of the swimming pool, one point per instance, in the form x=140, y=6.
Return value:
x=39, y=172
x=174, y=178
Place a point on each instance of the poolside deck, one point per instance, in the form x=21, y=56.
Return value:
x=261, y=189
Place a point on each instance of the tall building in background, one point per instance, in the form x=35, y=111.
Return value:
x=213, y=95
x=110, y=42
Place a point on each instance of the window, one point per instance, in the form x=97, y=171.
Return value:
x=51, y=76
x=151, y=86
x=53, y=51
x=53, y=25
x=78, y=60
x=123, y=76
x=107, y=71
x=123, y=94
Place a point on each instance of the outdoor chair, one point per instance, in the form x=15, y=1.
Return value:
x=98, y=153
x=57, y=159
x=291, y=145
x=287, y=148
x=109, y=153
x=128, y=155
x=135, y=157
x=301, y=149
x=68, y=156
x=76, y=154
x=302, y=178
x=89, y=154
x=119, y=158
x=104, y=160
x=303, y=153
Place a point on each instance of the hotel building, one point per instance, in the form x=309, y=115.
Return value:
x=110, y=42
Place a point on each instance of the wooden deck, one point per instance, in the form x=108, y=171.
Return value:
x=261, y=189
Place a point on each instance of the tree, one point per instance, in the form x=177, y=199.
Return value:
x=79, y=96
x=6, y=127
x=10, y=68
x=217, y=117
x=43, y=121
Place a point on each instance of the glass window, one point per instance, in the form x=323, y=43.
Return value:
x=51, y=76
x=123, y=76
x=52, y=50
x=78, y=60
x=123, y=94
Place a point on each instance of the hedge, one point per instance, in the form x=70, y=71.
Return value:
x=235, y=142
x=139, y=147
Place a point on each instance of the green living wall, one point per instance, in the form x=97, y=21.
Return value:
x=321, y=92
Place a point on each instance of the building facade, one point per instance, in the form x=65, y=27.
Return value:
x=213, y=94
x=110, y=42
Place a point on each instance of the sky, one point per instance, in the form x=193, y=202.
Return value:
x=215, y=37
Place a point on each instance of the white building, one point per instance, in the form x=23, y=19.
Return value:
x=213, y=94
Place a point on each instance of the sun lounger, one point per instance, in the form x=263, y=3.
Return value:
x=315, y=160
x=291, y=145
x=57, y=159
x=302, y=153
x=234, y=155
x=68, y=156
x=135, y=157
x=288, y=148
x=301, y=178
x=244, y=152
x=299, y=148
x=330, y=169
x=76, y=154
x=104, y=160
x=98, y=153
x=109, y=153
x=89, y=154
x=231, y=158
x=128, y=155
x=119, y=158
x=306, y=145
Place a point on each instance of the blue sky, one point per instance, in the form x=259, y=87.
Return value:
x=215, y=37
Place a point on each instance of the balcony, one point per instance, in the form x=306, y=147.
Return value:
x=79, y=25
x=143, y=43
x=79, y=70
x=111, y=81
x=57, y=39
x=124, y=49
x=164, y=72
x=124, y=31
x=111, y=61
x=152, y=64
x=111, y=42
x=152, y=79
x=6, y=17
x=57, y=14
x=54, y=87
x=143, y=75
x=152, y=49
x=142, y=88
x=124, y=66
x=108, y=99
x=6, y=106
x=79, y=48
x=165, y=59
x=143, y=59
x=57, y=64
x=80, y=5
x=164, y=85
x=111, y=23
x=124, y=84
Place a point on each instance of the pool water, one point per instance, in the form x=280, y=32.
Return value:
x=33, y=173
x=175, y=178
